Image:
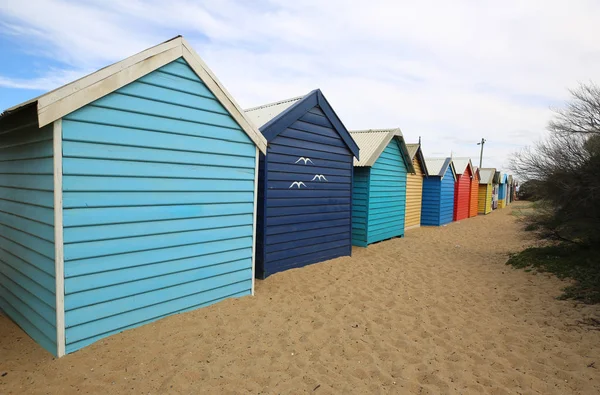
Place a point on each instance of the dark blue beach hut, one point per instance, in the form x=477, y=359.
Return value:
x=379, y=197
x=305, y=184
x=125, y=196
x=438, y=192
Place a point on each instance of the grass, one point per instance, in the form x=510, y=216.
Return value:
x=565, y=261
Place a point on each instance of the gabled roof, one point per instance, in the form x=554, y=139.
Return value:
x=56, y=104
x=415, y=149
x=438, y=166
x=372, y=143
x=274, y=118
x=504, y=178
x=461, y=164
x=486, y=175
x=497, y=177
x=263, y=114
x=476, y=172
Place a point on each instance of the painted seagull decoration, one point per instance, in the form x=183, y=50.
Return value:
x=298, y=184
x=304, y=159
x=319, y=177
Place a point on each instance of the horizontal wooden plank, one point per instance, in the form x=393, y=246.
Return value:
x=18, y=139
x=109, y=134
x=274, y=212
x=308, y=146
x=305, y=226
x=114, y=215
x=43, y=215
x=102, y=279
x=134, y=259
x=309, y=242
x=305, y=234
x=320, y=167
x=292, y=159
x=39, y=198
x=28, y=181
x=74, y=149
x=79, y=305
x=42, y=278
x=152, y=305
x=309, y=202
x=112, y=118
x=38, y=229
x=117, y=168
x=92, y=249
x=167, y=95
x=35, y=150
x=32, y=242
x=27, y=166
x=293, y=219
x=133, y=184
x=166, y=78
x=292, y=150
x=166, y=110
x=31, y=307
x=224, y=293
x=136, y=229
x=124, y=199
x=303, y=250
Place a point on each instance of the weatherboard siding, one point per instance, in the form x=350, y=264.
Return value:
x=387, y=195
x=474, y=197
x=158, y=189
x=484, y=205
x=462, y=192
x=310, y=222
x=430, y=208
x=414, y=195
x=27, y=280
x=447, y=198
x=360, y=206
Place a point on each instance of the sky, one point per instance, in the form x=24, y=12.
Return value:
x=450, y=72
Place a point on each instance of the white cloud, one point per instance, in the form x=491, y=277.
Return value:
x=451, y=72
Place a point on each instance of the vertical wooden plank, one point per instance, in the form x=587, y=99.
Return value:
x=58, y=239
x=254, y=219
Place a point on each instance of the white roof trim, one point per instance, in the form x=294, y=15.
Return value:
x=70, y=97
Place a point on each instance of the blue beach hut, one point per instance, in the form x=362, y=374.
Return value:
x=305, y=184
x=125, y=196
x=438, y=192
x=379, y=190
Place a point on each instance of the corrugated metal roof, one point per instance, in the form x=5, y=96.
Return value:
x=437, y=166
x=412, y=150
x=262, y=114
x=461, y=164
x=486, y=175
x=371, y=143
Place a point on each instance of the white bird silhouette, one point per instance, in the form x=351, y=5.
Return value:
x=319, y=177
x=298, y=184
x=304, y=159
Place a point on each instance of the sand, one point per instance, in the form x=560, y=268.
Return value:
x=437, y=312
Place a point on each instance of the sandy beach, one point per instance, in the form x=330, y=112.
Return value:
x=436, y=312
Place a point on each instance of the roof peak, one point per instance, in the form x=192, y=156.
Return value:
x=276, y=103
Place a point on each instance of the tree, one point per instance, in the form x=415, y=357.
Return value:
x=564, y=170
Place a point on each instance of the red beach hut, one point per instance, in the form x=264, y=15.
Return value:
x=462, y=188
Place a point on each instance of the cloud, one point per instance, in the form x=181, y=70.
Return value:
x=449, y=72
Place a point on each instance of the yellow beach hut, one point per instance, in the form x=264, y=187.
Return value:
x=486, y=178
x=414, y=187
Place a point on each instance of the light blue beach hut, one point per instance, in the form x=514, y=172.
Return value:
x=125, y=196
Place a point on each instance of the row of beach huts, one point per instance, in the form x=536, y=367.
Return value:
x=143, y=190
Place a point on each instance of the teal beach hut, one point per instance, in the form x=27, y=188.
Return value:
x=379, y=189
x=125, y=196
